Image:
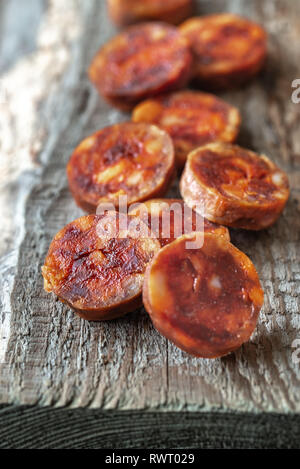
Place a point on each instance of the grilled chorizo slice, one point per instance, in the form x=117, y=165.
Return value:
x=228, y=49
x=237, y=187
x=136, y=160
x=205, y=300
x=141, y=62
x=170, y=218
x=125, y=12
x=192, y=119
x=96, y=264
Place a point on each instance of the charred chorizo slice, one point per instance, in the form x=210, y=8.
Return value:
x=237, y=187
x=96, y=264
x=141, y=62
x=170, y=218
x=127, y=159
x=205, y=300
x=228, y=49
x=125, y=12
x=192, y=119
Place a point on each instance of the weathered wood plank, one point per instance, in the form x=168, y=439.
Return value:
x=50, y=356
x=19, y=23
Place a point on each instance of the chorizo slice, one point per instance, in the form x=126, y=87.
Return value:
x=205, y=300
x=141, y=62
x=96, y=264
x=237, y=187
x=192, y=119
x=228, y=49
x=170, y=218
x=127, y=159
x=125, y=12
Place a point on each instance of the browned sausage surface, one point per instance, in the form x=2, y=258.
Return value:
x=96, y=264
x=136, y=160
x=237, y=187
x=124, y=12
x=228, y=49
x=141, y=62
x=170, y=218
x=192, y=119
x=204, y=300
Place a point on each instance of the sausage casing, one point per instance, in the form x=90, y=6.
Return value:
x=192, y=119
x=125, y=12
x=228, y=49
x=170, y=218
x=127, y=159
x=237, y=187
x=141, y=62
x=96, y=264
x=205, y=300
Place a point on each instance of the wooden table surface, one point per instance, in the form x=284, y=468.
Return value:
x=48, y=356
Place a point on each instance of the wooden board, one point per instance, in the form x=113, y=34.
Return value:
x=57, y=428
x=48, y=356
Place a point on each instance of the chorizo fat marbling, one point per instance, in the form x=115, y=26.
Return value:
x=228, y=50
x=141, y=62
x=125, y=12
x=136, y=160
x=237, y=187
x=206, y=300
x=192, y=119
x=170, y=218
x=96, y=265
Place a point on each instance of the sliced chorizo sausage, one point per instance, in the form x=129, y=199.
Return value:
x=192, y=119
x=205, y=300
x=141, y=62
x=228, y=49
x=237, y=187
x=125, y=12
x=96, y=264
x=136, y=160
x=170, y=218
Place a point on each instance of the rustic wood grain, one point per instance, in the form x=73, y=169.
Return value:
x=49, y=428
x=51, y=357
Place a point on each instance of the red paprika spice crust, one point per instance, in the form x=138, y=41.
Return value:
x=125, y=12
x=228, y=49
x=192, y=119
x=96, y=265
x=170, y=218
x=206, y=300
x=136, y=160
x=141, y=62
x=237, y=187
